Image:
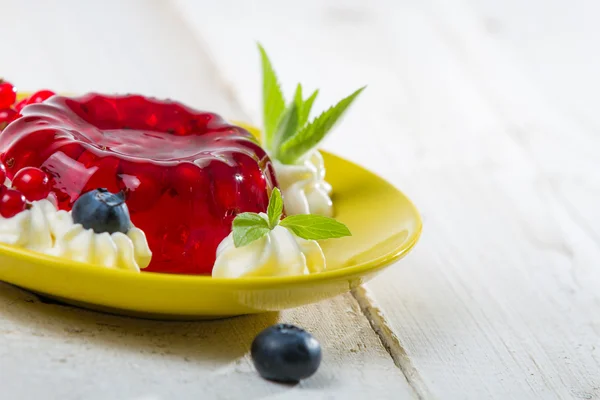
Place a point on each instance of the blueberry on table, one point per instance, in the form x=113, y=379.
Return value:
x=102, y=211
x=285, y=353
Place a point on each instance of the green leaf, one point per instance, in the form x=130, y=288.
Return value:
x=306, y=107
x=298, y=97
x=248, y=227
x=288, y=125
x=315, y=227
x=309, y=136
x=275, y=208
x=273, y=100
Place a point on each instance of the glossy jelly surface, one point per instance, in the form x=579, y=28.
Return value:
x=186, y=173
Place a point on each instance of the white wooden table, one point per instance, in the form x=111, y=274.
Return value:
x=484, y=112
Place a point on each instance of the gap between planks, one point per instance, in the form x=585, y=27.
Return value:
x=390, y=341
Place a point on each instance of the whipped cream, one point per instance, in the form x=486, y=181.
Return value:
x=278, y=253
x=303, y=186
x=44, y=229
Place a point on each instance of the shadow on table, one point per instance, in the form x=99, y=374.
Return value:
x=200, y=341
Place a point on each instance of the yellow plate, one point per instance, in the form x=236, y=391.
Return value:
x=384, y=223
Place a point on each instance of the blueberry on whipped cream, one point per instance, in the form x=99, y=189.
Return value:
x=98, y=231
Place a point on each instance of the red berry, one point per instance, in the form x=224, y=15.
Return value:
x=12, y=202
x=2, y=174
x=33, y=183
x=40, y=96
x=8, y=94
x=7, y=115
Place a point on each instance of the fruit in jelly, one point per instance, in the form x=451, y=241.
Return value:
x=186, y=174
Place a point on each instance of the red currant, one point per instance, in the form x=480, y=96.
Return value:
x=8, y=94
x=2, y=174
x=40, y=96
x=33, y=183
x=12, y=202
x=7, y=115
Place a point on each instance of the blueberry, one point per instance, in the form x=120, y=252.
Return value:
x=285, y=353
x=102, y=211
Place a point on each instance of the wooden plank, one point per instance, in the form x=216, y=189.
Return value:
x=114, y=46
x=497, y=148
x=53, y=351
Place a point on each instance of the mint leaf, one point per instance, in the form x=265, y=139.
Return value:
x=248, y=227
x=288, y=125
x=298, y=97
x=315, y=227
x=309, y=136
x=273, y=100
x=275, y=208
x=306, y=107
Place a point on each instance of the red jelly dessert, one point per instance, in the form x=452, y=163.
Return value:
x=186, y=173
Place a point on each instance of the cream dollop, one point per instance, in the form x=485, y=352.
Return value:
x=44, y=229
x=303, y=186
x=278, y=253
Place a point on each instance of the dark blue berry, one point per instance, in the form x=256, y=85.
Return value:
x=285, y=353
x=102, y=211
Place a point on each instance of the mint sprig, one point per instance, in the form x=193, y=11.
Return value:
x=273, y=100
x=248, y=227
x=306, y=107
x=287, y=134
x=275, y=208
x=315, y=227
x=286, y=128
x=308, y=137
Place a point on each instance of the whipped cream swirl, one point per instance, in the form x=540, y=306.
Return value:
x=44, y=229
x=303, y=186
x=278, y=253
